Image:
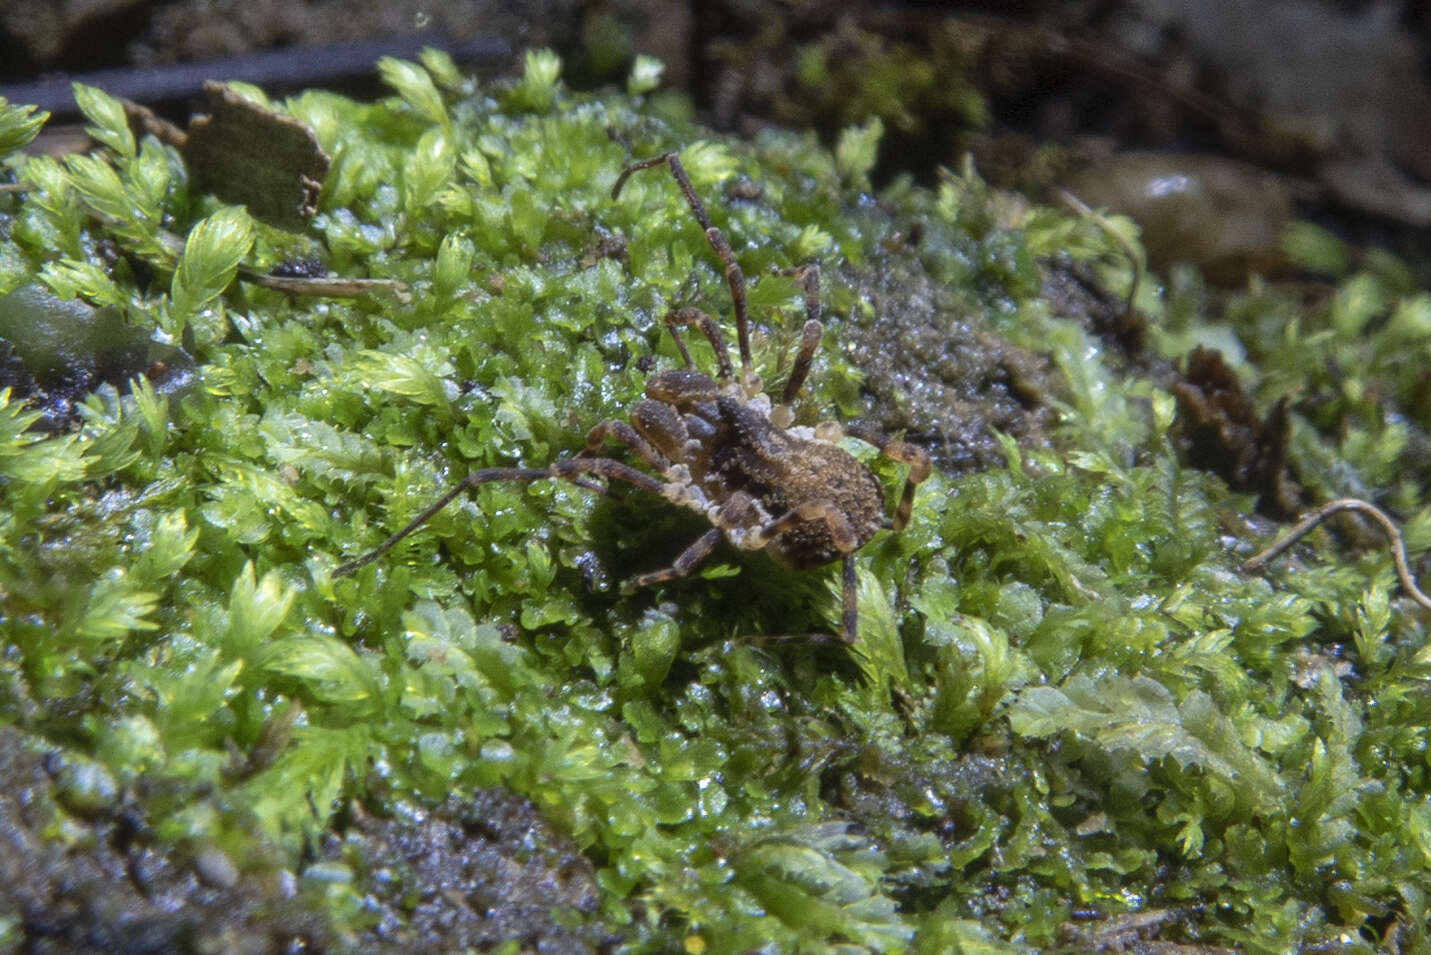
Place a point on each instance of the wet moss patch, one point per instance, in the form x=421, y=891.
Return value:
x=1064, y=701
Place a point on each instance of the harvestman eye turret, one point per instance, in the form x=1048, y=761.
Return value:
x=719, y=447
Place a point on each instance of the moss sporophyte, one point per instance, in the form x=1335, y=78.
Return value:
x=1064, y=702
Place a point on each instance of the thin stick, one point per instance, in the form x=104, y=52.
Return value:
x=1388, y=527
x=1081, y=208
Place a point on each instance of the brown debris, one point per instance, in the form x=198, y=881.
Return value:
x=1136, y=932
x=246, y=154
x=1219, y=430
x=470, y=874
x=334, y=287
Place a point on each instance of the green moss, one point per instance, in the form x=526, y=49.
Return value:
x=1063, y=696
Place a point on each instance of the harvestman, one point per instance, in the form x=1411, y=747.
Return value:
x=719, y=447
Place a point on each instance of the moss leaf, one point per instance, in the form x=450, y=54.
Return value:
x=109, y=125
x=18, y=126
x=256, y=609
x=212, y=252
x=116, y=608
x=414, y=84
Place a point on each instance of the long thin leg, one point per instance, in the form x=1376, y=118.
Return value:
x=843, y=536
x=809, y=278
x=905, y=453
x=849, y=612
x=734, y=277
x=570, y=469
x=809, y=341
x=688, y=560
x=628, y=436
x=694, y=317
x=470, y=481
x=849, y=601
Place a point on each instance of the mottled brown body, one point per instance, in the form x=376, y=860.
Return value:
x=721, y=448
x=743, y=471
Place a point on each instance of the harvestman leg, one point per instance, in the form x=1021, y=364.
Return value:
x=689, y=317
x=843, y=536
x=734, y=277
x=905, y=453
x=809, y=278
x=840, y=531
x=688, y=560
x=628, y=436
x=568, y=469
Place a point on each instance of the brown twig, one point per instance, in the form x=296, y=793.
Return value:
x=1388, y=527
x=325, y=287
x=1080, y=208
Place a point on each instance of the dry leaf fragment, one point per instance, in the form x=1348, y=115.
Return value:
x=247, y=154
x=244, y=153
